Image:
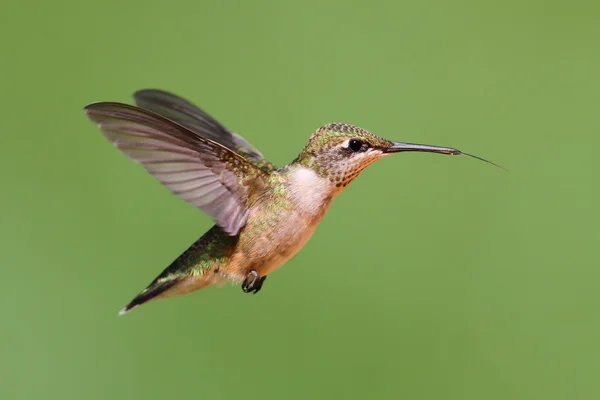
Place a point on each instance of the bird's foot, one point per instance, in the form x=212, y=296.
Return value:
x=253, y=282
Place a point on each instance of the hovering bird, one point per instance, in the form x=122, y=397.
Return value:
x=263, y=214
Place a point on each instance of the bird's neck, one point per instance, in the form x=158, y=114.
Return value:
x=310, y=192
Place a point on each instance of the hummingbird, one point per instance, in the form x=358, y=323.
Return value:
x=263, y=214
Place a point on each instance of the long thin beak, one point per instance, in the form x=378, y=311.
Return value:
x=398, y=147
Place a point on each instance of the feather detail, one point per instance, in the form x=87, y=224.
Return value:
x=199, y=170
x=195, y=119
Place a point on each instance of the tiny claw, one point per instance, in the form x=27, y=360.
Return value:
x=253, y=282
x=259, y=284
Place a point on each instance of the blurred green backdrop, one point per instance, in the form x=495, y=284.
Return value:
x=430, y=278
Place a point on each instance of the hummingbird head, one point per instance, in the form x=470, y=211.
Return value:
x=340, y=152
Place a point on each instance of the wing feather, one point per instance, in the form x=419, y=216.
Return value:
x=199, y=170
x=197, y=120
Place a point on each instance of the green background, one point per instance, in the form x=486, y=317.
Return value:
x=431, y=277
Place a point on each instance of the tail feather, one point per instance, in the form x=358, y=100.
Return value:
x=155, y=289
x=183, y=275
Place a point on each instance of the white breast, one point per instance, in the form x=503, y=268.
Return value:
x=308, y=190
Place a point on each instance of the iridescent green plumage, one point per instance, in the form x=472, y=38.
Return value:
x=317, y=155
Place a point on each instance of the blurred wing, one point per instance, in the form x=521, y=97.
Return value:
x=192, y=117
x=198, y=170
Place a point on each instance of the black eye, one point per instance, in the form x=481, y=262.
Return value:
x=355, y=145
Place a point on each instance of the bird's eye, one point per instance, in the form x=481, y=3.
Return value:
x=355, y=145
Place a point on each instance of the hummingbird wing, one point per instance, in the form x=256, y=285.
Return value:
x=200, y=171
x=192, y=117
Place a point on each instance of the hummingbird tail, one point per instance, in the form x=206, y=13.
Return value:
x=155, y=289
x=168, y=285
x=184, y=274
